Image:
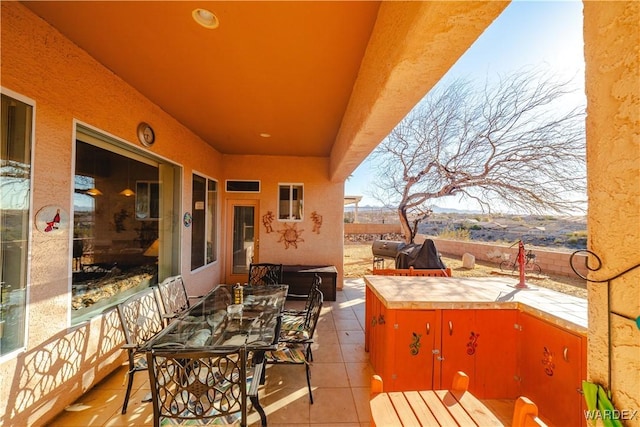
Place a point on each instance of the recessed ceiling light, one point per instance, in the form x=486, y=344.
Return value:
x=205, y=18
x=265, y=135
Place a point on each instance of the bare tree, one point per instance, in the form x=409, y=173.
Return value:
x=513, y=144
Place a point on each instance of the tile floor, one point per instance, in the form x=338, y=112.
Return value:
x=340, y=378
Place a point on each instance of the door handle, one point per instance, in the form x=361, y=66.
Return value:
x=450, y=327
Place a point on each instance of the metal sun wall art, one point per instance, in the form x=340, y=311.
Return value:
x=290, y=236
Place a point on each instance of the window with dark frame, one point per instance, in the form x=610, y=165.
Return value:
x=204, y=211
x=120, y=198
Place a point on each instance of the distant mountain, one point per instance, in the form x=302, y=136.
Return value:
x=436, y=209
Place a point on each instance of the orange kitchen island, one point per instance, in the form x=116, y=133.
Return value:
x=421, y=330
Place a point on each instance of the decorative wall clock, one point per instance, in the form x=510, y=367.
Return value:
x=146, y=135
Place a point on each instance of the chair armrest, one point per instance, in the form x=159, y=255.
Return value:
x=129, y=346
x=297, y=295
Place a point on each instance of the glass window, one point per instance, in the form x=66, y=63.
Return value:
x=235, y=186
x=119, y=247
x=204, y=211
x=15, y=183
x=290, y=202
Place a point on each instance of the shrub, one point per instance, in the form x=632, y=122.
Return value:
x=457, y=234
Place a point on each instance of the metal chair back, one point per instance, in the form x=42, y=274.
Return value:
x=173, y=295
x=294, y=346
x=265, y=274
x=199, y=387
x=141, y=320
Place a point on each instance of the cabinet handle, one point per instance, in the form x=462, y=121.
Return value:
x=565, y=354
x=381, y=320
x=450, y=327
x=373, y=321
x=428, y=328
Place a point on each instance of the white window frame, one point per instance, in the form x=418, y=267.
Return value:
x=290, y=217
x=27, y=298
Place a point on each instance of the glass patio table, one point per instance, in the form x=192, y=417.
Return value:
x=199, y=365
x=208, y=325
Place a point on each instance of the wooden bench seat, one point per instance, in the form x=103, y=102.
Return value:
x=456, y=406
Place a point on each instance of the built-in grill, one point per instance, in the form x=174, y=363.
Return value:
x=385, y=249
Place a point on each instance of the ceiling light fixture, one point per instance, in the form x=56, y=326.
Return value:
x=265, y=135
x=205, y=18
x=128, y=192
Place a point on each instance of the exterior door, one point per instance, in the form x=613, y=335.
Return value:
x=242, y=239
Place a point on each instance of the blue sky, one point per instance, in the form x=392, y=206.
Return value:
x=547, y=33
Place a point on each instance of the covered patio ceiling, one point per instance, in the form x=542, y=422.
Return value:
x=326, y=78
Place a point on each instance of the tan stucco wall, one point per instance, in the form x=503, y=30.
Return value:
x=612, y=43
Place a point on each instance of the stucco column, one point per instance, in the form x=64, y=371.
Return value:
x=612, y=51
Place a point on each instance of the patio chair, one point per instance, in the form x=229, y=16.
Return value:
x=173, y=295
x=294, y=346
x=141, y=320
x=265, y=274
x=294, y=319
x=201, y=388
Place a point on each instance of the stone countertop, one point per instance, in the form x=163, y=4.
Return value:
x=431, y=293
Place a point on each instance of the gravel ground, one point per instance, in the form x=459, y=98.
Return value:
x=358, y=261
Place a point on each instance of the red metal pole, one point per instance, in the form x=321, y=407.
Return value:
x=521, y=261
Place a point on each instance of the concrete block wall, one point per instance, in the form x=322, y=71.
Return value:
x=550, y=261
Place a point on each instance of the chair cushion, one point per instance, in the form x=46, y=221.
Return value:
x=292, y=322
x=286, y=354
x=294, y=335
x=140, y=363
x=226, y=420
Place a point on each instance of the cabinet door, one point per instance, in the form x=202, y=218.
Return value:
x=460, y=341
x=496, y=354
x=414, y=339
x=551, y=370
x=483, y=344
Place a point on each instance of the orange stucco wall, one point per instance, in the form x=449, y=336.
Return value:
x=612, y=40
x=321, y=196
x=68, y=86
